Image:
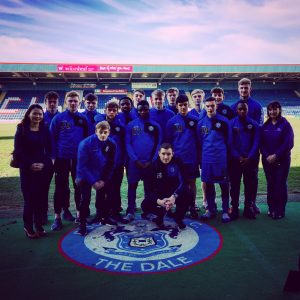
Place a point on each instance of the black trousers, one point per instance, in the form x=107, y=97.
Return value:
x=103, y=200
x=62, y=168
x=249, y=174
x=35, y=187
x=112, y=192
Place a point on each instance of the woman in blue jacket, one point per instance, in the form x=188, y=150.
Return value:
x=33, y=151
x=277, y=140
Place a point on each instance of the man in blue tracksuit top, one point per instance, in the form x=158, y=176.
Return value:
x=214, y=138
x=125, y=104
x=244, y=153
x=51, y=102
x=158, y=113
x=172, y=93
x=143, y=137
x=255, y=112
x=137, y=96
x=96, y=162
x=198, y=96
x=181, y=133
x=67, y=130
x=117, y=134
x=90, y=112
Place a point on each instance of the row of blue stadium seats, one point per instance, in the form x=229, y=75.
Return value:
x=22, y=99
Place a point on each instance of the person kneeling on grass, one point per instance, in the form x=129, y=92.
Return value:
x=96, y=163
x=167, y=189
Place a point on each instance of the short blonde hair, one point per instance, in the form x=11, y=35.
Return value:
x=72, y=94
x=103, y=125
x=158, y=92
x=196, y=91
x=244, y=81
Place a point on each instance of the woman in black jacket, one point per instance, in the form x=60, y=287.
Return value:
x=32, y=150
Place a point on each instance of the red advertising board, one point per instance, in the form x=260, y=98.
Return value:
x=94, y=68
x=111, y=91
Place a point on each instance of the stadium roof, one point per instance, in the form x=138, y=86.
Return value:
x=113, y=73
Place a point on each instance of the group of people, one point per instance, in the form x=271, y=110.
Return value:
x=166, y=146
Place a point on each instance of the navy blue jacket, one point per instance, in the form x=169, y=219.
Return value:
x=67, y=131
x=142, y=139
x=214, y=137
x=173, y=108
x=245, y=138
x=165, y=179
x=277, y=139
x=181, y=133
x=201, y=114
x=255, y=110
x=161, y=116
x=48, y=117
x=117, y=133
x=96, y=159
x=90, y=116
x=125, y=118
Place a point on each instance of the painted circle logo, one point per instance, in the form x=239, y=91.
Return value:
x=141, y=247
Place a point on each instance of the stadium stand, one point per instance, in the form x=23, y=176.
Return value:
x=15, y=102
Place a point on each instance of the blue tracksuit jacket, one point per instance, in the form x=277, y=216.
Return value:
x=90, y=116
x=161, y=117
x=245, y=138
x=142, y=139
x=96, y=159
x=255, y=110
x=214, y=137
x=67, y=131
x=48, y=117
x=117, y=133
x=277, y=139
x=181, y=133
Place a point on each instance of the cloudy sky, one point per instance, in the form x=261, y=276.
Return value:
x=151, y=31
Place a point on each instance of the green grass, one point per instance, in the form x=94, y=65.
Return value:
x=11, y=197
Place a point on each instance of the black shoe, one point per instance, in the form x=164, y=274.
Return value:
x=96, y=219
x=234, y=213
x=119, y=218
x=249, y=213
x=30, y=233
x=40, y=231
x=82, y=229
x=194, y=214
x=256, y=209
x=180, y=224
x=77, y=220
x=45, y=220
x=277, y=216
x=159, y=223
x=108, y=221
x=57, y=225
x=68, y=216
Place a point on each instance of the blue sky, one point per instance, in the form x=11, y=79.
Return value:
x=151, y=31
